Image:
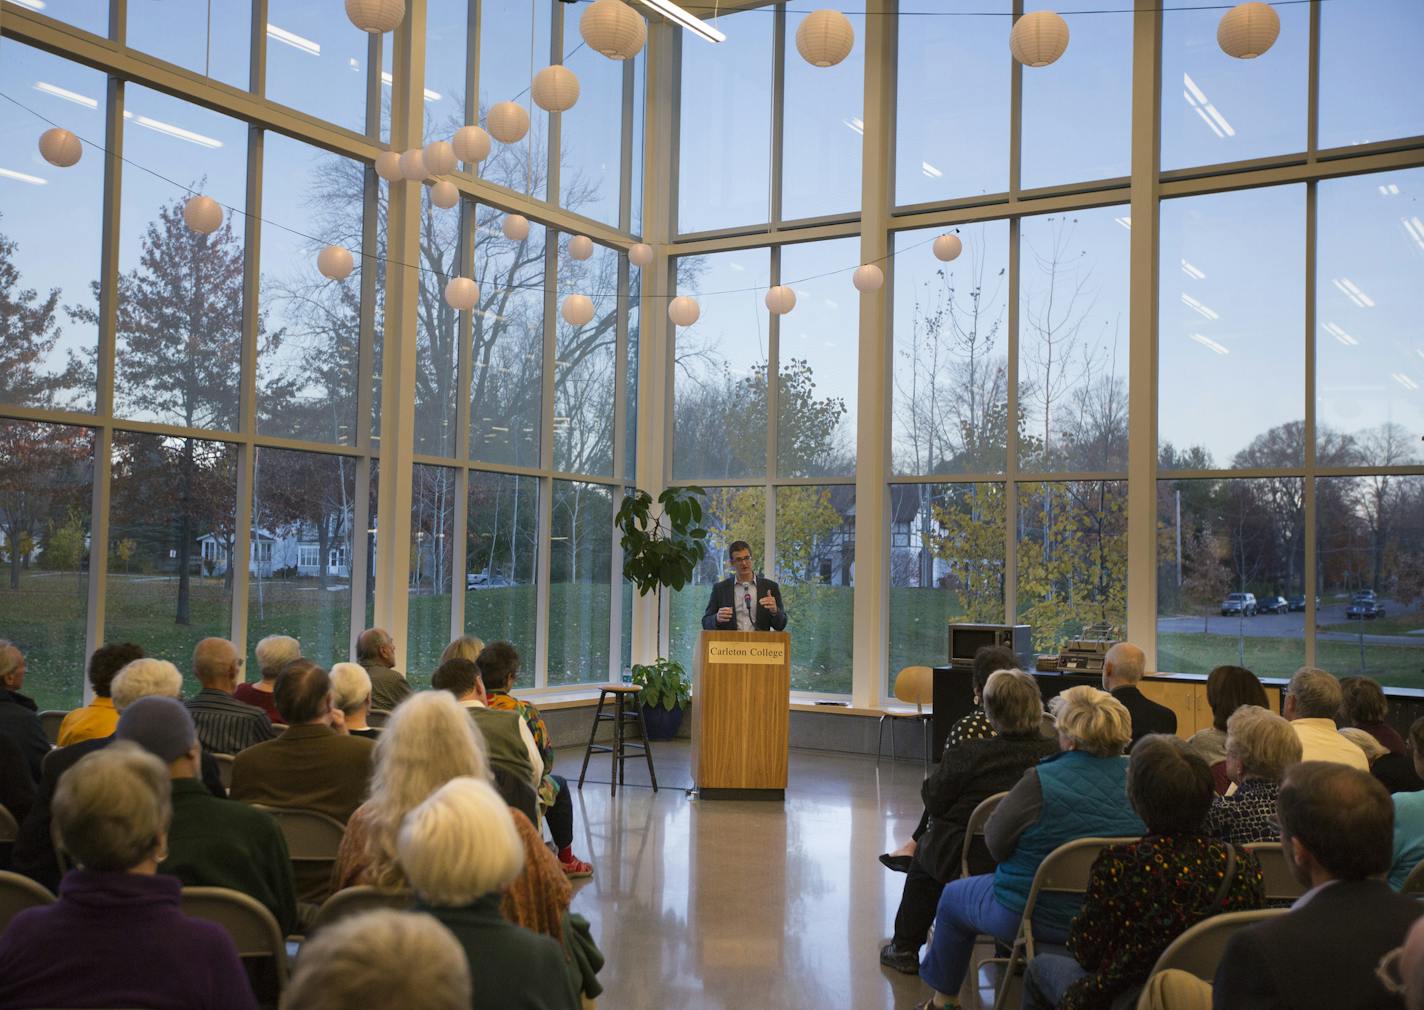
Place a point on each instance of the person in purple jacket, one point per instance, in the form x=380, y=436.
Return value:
x=117, y=936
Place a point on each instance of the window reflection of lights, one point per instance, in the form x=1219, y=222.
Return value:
x=56, y=91
x=1192, y=271
x=1352, y=291
x=1404, y=380
x=1125, y=221
x=430, y=96
x=177, y=132
x=293, y=39
x=1208, y=112
x=495, y=427
x=34, y=5
x=738, y=267
x=1415, y=227
x=1339, y=334
x=1204, y=311
x=33, y=180
x=855, y=123
x=1389, y=190
x=1208, y=343
x=929, y=171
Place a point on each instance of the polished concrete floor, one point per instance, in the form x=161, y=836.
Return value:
x=721, y=904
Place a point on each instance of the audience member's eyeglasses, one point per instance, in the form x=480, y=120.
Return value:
x=1388, y=971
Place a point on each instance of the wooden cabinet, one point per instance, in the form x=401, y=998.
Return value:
x=1188, y=699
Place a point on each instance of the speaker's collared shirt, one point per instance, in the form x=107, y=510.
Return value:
x=745, y=612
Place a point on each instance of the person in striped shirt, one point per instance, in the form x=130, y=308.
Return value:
x=225, y=725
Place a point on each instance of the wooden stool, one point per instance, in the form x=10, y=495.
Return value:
x=625, y=710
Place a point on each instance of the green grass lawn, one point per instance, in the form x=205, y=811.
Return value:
x=1391, y=665
x=1402, y=624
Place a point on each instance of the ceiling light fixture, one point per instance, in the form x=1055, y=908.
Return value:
x=33, y=180
x=1404, y=380
x=676, y=14
x=69, y=96
x=293, y=39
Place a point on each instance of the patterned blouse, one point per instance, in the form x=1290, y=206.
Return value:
x=974, y=726
x=504, y=701
x=1247, y=815
x=1142, y=896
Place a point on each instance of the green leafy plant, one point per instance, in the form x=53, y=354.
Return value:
x=662, y=548
x=664, y=684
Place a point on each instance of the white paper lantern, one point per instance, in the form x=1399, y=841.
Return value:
x=412, y=165
x=60, y=147
x=335, y=262
x=1248, y=30
x=515, y=227
x=376, y=16
x=388, y=166
x=683, y=311
x=780, y=299
x=614, y=29
x=444, y=194
x=580, y=247
x=462, y=293
x=868, y=278
x=470, y=144
x=555, y=89
x=825, y=38
x=640, y=254
x=577, y=309
x=947, y=247
x=439, y=157
x=1038, y=38
x=203, y=214
x=508, y=122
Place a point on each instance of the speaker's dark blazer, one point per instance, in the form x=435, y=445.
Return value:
x=1147, y=715
x=1320, y=956
x=723, y=594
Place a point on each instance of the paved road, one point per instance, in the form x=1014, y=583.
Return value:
x=1284, y=626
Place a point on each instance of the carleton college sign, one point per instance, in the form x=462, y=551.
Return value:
x=771, y=653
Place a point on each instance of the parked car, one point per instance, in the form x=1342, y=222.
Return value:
x=1364, y=608
x=1298, y=603
x=1272, y=605
x=1239, y=603
x=479, y=580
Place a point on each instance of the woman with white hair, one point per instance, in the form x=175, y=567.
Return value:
x=465, y=647
x=1080, y=792
x=1260, y=746
x=428, y=741
x=351, y=695
x=460, y=848
x=117, y=936
x=273, y=653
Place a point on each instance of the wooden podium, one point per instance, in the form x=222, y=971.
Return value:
x=741, y=715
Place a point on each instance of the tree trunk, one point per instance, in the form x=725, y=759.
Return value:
x=185, y=534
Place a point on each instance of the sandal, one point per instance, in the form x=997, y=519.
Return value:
x=575, y=868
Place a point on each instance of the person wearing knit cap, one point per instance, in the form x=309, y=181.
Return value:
x=213, y=842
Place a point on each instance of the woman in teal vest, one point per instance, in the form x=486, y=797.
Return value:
x=1080, y=792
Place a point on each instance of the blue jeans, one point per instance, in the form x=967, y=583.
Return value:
x=1049, y=976
x=967, y=908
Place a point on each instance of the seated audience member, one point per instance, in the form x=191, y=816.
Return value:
x=272, y=653
x=499, y=667
x=1408, y=849
x=19, y=715
x=1260, y=748
x=376, y=651
x=1395, y=771
x=143, y=678
x=351, y=695
x=225, y=725
x=1364, y=706
x=99, y=717
x=1080, y=792
x=460, y=848
x=966, y=776
x=1227, y=689
x=1311, y=701
x=311, y=765
x=465, y=647
x=974, y=726
x=212, y=842
x=1336, y=827
x=383, y=958
x=429, y=741
x=117, y=936
x=508, y=742
x=1123, y=667
x=17, y=790
x=1410, y=967
x=1143, y=895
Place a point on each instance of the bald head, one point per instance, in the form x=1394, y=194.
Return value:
x=1123, y=665
x=374, y=645
x=215, y=664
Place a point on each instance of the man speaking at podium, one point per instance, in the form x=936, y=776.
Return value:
x=744, y=601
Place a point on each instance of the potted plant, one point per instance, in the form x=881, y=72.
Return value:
x=666, y=692
x=661, y=550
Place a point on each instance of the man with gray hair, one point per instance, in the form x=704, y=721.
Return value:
x=225, y=725
x=1123, y=667
x=1312, y=699
x=376, y=651
x=19, y=715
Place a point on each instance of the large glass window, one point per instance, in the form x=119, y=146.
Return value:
x=815, y=564
x=951, y=372
x=1370, y=74
x=437, y=330
x=1073, y=312
x=591, y=133
x=90, y=15
x=45, y=488
x=822, y=130
x=724, y=163
x=1231, y=309
x=512, y=50
x=719, y=388
x=502, y=560
x=210, y=39
x=952, y=102
x=432, y=544
x=317, y=62
x=447, y=35
x=49, y=330
x=580, y=582
x=585, y=366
